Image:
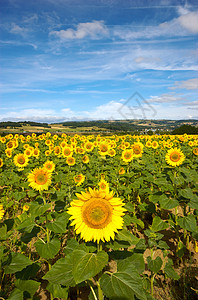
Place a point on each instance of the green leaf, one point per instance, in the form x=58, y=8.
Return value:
x=129, y=207
x=59, y=225
x=18, y=263
x=189, y=223
x=125, y=235
x=27, y=225
x=61, y=272
x=29, y=286
x=167, y=203
x=136, y=259
x=57, y=291
x=3, y=231
x=158, y=224
x=16, y=295
x=123, y=285
x=18, y=195
x=154, y=264
x=169, y=271
x=87, y=265
x=74, y=245
x=37, y=209
x=135, y=220
x=48, y=250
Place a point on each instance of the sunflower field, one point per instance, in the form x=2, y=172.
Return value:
x=94, y=217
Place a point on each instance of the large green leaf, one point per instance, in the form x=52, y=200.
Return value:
x=74, y=245
x=188, y=223
x=60, y=223
x=169, y=271
x=123, y=284
x=48, y=250
x=27, y=225
x=167, y=203
x=57, y=290
x=158, y=224
x=37, y=209
x=61, y=272
x=154, y=264
x=30, y=286
x=135, y=259
x=125, y=235
x=16, y=295
x=18, y=263
x=87, y=265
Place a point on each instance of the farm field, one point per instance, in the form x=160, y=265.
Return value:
x=98, y=217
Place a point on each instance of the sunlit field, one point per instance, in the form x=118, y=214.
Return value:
x=94, y=217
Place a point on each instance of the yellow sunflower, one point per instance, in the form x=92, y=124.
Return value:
x=121, y=171
x=85, y=159
x=79, y=179
x=71, y=161
x=137, y=149
x=1, y=162
x=174, y=157
x=67, y=151
x=103, y=185
x=39, y=179
x=2, y=211
x=195, y=151
x=127, y=155
x=21, y=160
x=97, y=215
x=49, y=166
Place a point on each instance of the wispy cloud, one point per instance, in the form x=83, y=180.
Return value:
x=93, y=30
x=190, y=84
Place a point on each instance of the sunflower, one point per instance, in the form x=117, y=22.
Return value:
x=67, y=151
x=21, y=160
x=121, y=171
x=137, y=149
x=103, y=148
x=112, y=152
x=28, y=152
x=85, y=159
x=88, y=146
x=2, y=211
x=1, y=162
x=49, y=166
x=103, y=185
x=97, y=215
x=8, y=152
x=71, y=161
x=39, y=179
x=57, y=150
x=174, y=157
x=155, y=144
x=79, y=179
x=127, y=155
x=195, y=151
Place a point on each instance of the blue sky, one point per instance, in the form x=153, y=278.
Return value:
x=66, y=60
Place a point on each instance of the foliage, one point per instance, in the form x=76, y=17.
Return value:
x=39, y=247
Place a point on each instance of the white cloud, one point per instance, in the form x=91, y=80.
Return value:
x=190, y=84
x=16, y=29
x=165, y=98
x=189, y=21
x=94, y=30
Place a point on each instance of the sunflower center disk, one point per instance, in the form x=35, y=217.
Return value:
x=97, y=213
x=21, y=160
x=41, y=179
x=175, y=157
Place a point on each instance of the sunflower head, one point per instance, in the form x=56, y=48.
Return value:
x=174, y=157
x=21, y=160
x=1, y=162
x=71, y=161
x=97, y=215
x=2, y=211
x=79, y=179
x=39, y=179
x=49, y=166
x=127, y=155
